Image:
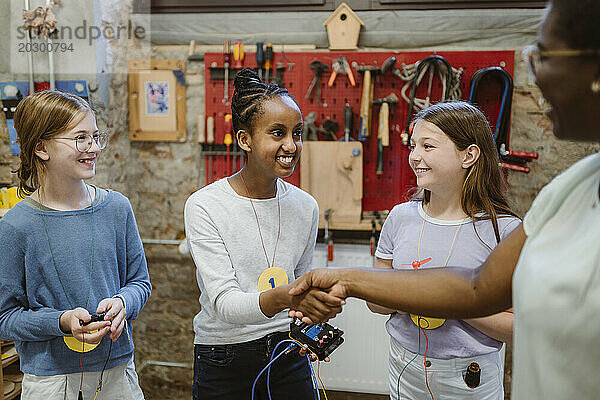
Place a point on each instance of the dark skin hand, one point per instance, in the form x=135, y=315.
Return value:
x=498, y=326
x=459, y=293
x=316, y=303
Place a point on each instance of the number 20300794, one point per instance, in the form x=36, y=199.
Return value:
x=45, y=47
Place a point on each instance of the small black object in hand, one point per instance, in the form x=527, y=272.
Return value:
x=95, y=318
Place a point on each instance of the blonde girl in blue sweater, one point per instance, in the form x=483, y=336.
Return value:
x=69, y=250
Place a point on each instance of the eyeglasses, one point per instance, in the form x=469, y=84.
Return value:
x=534, y=55
x=84, y=142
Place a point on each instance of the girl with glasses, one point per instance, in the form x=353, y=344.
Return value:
x=69, y=250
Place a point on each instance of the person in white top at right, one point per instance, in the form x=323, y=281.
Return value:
x=548, y=269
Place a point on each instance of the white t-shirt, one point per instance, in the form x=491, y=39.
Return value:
x=409, y=233
x=225, y=244
x=556, y=291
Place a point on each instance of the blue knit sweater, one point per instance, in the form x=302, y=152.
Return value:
x=33, y=295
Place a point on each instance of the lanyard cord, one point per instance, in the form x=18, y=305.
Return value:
x=258, y=223
x=91, y=256
x=453, y=239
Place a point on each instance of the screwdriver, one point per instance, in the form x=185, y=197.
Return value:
x=227, y=60
x=238, y=54
x=268, y=61
x=210, y=138
x=259, y=58
x=227, y=140
x=372, y=240
x=348, y=117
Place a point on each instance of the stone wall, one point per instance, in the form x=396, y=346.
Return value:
x=158, y=178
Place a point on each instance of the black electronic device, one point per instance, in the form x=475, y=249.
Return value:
x=95, y=318
x=322, y=339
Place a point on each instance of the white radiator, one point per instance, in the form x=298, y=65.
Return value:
x=360, y=364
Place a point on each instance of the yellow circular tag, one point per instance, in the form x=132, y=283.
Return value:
x=271, y=278
x=77, y=346
x=427, y=322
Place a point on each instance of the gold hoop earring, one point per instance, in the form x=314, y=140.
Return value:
x=595, y=86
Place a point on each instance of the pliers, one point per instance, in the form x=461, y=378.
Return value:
x=341, y=66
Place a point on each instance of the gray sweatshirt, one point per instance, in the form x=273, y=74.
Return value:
x=224, y=240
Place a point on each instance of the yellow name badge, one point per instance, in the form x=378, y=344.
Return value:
x=427, y=322
x=78, y=346
x=271, y=278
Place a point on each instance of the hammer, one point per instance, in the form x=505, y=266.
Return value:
x=389, y=65
x=365, y=102
x=383, y=133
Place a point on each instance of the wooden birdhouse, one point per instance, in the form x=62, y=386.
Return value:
x=343, y=27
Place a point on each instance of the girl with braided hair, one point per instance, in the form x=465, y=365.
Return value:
x=250, y=235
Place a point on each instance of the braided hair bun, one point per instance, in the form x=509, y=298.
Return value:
x=248, y=97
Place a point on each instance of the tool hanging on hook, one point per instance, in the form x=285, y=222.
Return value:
x=328, y=239
x=449, y=77
x=268, y=61
x=226, y=61
x=514, y=160
x=383, y=132
x=238, y=54
x=259, y=59
x=318, y=68
x=370, y=72
x=227, y=140
x=340, y=66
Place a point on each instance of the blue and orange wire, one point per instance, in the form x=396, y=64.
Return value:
x=318, y=367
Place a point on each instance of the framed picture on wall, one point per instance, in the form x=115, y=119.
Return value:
x=156, y=101
x=156, y=98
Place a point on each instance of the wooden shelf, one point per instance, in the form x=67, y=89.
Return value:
x=8, y=364
x=6, y=361
x=16, y=391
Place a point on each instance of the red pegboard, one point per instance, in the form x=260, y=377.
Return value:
x=380, y=192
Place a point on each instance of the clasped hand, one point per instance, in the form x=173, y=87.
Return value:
x=318, y=296
x=113, y=323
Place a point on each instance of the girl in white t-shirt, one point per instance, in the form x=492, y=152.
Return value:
x=457, y=216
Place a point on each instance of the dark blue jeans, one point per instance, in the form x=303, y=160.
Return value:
x=227, y=372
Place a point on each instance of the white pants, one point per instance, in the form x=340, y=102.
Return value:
x=445, y=377
x=118, y=383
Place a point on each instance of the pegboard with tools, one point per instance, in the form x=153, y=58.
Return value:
x=384, y=185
